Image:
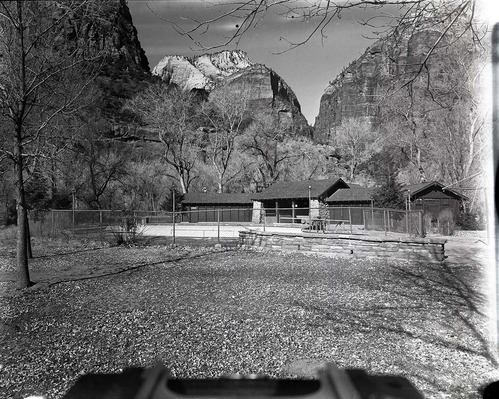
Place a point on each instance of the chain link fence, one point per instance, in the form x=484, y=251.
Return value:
x=99, y=225
x=394, y=221
x=119, y=226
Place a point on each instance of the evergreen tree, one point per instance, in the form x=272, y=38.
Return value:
x=389, y=194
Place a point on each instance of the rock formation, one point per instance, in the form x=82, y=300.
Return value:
x=358, y=91
x=114, y=35
x=202, y=72
x=268, y=92
x=125, y=69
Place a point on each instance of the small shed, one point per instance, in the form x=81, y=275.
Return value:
x=209, y=207
x=290, y=201
x=432, y=198
x=348, y=202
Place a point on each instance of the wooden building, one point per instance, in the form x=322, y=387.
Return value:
x=432, y=198
x=350, y=202
x=289, y=202
x=209, y=207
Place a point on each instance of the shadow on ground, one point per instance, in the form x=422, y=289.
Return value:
x=427, y=292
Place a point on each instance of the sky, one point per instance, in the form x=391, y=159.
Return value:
x=307, y=69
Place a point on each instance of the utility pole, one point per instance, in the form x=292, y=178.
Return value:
x=309, y=207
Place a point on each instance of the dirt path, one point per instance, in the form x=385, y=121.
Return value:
x=468, y=250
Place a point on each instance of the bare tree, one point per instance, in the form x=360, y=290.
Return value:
x=38, y=86
x=264, y=140
x=275, y=155
x=246, y=15
x=172, y=113
x=226, y=114
x=145, y=185
x=459, y=140
x=436, y=120
x=103, y=165
x=356, y=141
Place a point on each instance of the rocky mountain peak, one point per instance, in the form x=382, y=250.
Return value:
x=269, y=94
x=223, y=63
x=203, y=71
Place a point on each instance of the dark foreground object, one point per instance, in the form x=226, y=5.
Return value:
x=154, y=383
x=491, y=391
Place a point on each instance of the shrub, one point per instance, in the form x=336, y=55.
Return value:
x=471, y=221
x=128, y=231
x=8, y=233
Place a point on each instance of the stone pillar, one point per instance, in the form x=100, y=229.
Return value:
x=323, y=210
x=314, y=208
x=257, y=212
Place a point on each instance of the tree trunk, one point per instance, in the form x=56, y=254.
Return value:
x=23, y=280
x=28, y=238
x=183, y=186
x=422, y=174
x=353, y=166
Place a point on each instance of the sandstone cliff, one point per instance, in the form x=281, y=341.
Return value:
x=269, y=94
x=359, y=90
x=125, y=68
x=113, y=34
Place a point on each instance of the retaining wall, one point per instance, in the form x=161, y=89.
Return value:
x=408, y=249
x=471, y=233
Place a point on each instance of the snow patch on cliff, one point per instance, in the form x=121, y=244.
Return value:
x=202, y=72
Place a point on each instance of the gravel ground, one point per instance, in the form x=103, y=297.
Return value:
x=205, y=313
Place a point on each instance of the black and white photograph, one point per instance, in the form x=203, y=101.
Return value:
x=249, y=198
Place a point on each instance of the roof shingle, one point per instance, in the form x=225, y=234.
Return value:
x=416, y=188
x=352, y=195
x=217, y=198
x=298, y=189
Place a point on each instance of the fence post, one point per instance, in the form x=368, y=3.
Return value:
x=384, y=219
x=218, y=225
x=407, y=222
x=372, y=215
x=350, y=219
x=173, y=216
x=52, y=223
x=421, y=224
x=101, y=230
x=264, y=219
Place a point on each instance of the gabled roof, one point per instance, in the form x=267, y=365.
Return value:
x=352, y=195
x=415, y=189
x=354, y=185
x=298, y=189
x=216, y=198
